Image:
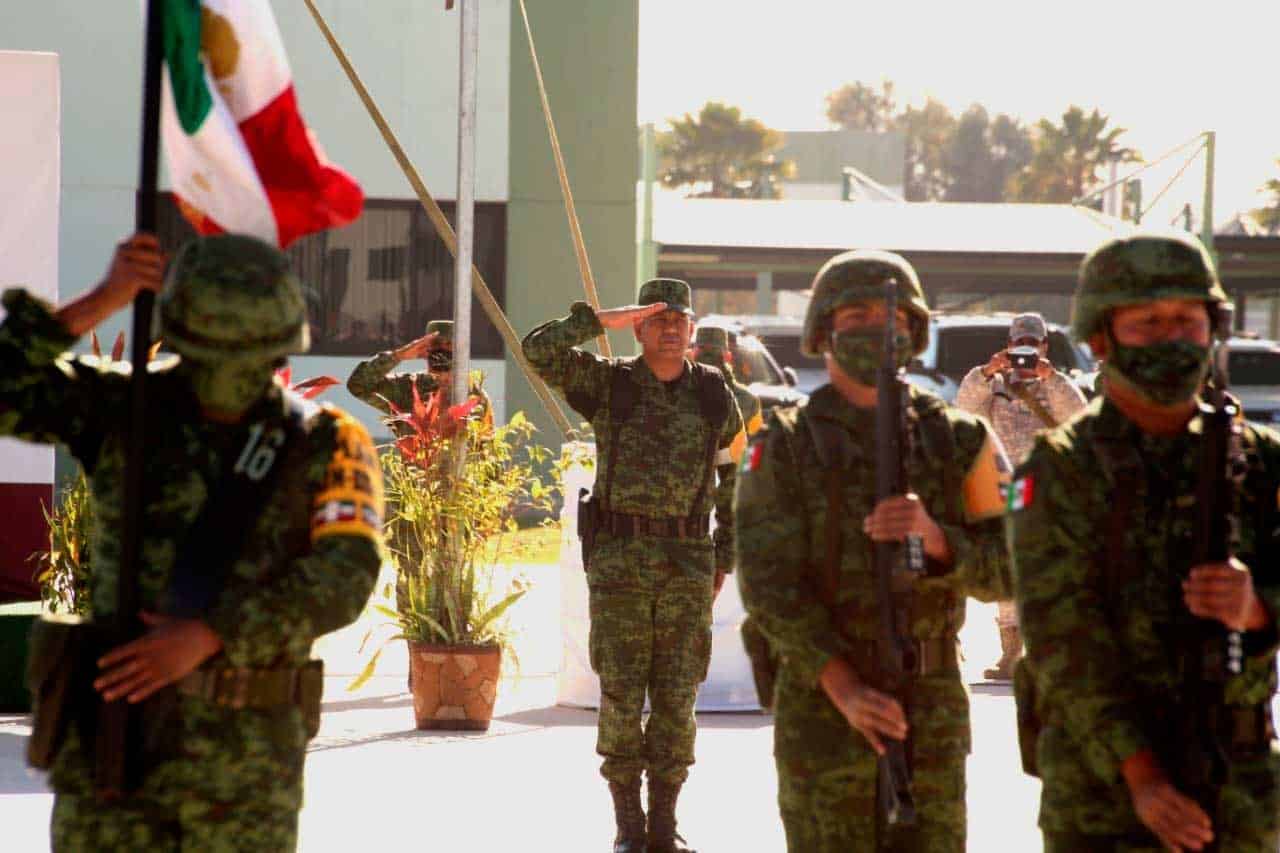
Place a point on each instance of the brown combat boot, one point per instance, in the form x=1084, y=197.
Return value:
x=663, y=837
x=1010, y=651
x=629, y=815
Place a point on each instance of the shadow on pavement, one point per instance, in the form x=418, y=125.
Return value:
x=992, y=688
x=15, y=778
x=374, y=703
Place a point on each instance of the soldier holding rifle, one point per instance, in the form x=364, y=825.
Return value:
x=808, y=522
x=1146, y=533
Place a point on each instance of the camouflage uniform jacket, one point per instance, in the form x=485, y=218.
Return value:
x=1013, y=419
x=307, y=568
x=781, y=511
x=661, y=456
x=369, y=383
x=1101, y=629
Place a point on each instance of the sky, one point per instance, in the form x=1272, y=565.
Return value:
x=1163, y=73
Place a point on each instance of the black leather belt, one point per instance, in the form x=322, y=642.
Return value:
x=622, y=524
x=930, y=656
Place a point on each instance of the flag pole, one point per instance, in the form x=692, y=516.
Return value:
x=115, y=762
x=468, y=60
x=441, y=224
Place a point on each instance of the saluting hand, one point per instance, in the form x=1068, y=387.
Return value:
x=418, y=348
x=622, y=318
x=1224, y=591
x=896, y=518
x=170, y=651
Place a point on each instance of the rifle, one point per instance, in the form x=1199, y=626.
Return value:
x=1213, y=653
x=896, y=651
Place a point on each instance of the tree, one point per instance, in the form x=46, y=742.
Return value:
x=1269, y=216
x=1068, y=157
x=982, y=154
x=857, y=106
x=734, y=155
x=927, y=131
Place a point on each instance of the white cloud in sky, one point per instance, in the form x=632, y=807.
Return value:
x=1164, y=70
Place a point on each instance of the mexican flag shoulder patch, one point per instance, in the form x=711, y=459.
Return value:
x=1020, y=493
x=751, y=459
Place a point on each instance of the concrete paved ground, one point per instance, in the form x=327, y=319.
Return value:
x=373, y=782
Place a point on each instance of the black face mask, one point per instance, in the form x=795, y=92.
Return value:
x=440, y=361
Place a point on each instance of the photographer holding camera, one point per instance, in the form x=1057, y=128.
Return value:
x=1020, y=393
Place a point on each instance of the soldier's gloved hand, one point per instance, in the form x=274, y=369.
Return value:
x=1177, y=820
x=622, y=318
x=896, y=518
x=170, y=651
x=1224, y=591
x=874, y=714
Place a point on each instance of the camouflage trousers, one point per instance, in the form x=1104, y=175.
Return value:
x=217, y=779
x=827, y=772
x=81, y=823
x=650, y=608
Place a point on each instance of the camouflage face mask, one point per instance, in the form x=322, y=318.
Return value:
x=859, y=353
x=230, y=387
x=1165, y=373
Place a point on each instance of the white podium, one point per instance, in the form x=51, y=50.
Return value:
x=729, y=686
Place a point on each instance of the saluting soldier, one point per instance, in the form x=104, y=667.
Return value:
x=372, y=382
x=1114, y=606
x=666, y=429
x=231, y=599
x=808, y=521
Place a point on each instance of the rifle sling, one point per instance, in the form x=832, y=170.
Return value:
x=1033, y=404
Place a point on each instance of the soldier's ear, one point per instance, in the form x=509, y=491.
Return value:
x=635, y=328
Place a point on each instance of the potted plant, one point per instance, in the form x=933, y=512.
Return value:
x=453, y=518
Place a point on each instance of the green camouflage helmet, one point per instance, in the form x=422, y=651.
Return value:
x=1141, y=268
x=860, y=276
x=231, y=297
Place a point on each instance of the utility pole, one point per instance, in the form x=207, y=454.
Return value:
x=1206, y=215
x=646, y=257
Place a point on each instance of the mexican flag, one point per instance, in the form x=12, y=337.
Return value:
x=240, y=157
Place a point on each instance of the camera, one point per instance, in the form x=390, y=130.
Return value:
x=1024, y=358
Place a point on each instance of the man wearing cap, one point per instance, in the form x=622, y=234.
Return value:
x=1018, y=401
x=666, y=431
x=1148, y=738
x=260, y=530
x=372, y=383
x=808, y=520
x=712, y=347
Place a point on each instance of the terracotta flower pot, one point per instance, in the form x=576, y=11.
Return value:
x=454, y=687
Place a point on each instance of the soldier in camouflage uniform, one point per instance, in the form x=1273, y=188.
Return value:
x=1018, y=403
x=711, y=347
x=371, y=383
x=814, y=466
x=1102, y=520
x=654, y=570
x=225, y=690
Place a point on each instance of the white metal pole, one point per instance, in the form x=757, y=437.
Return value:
x=465, y=213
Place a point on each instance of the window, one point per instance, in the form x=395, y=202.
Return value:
x=376, y=283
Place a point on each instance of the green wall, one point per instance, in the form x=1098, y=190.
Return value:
x=589, y=57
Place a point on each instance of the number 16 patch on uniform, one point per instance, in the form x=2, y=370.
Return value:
x=350, y=502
